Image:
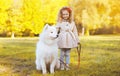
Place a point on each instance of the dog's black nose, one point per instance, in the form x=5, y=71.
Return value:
x=57, y=35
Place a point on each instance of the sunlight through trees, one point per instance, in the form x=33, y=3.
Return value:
x=27, y=17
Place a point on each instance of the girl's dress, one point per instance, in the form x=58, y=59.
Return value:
x=68, y=36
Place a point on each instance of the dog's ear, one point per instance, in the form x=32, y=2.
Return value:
x=46, y=27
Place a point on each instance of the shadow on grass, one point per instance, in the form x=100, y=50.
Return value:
x=18, y=65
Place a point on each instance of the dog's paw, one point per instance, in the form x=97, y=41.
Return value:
x=52, y=71
x=44, y=71
x=38, y=68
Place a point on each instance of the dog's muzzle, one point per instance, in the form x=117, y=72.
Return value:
x=55, y=37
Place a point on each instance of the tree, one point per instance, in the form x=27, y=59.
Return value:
x=3, y=14
x=94, y=14
x=20, y=15
x=32, y=16
x=115, y=15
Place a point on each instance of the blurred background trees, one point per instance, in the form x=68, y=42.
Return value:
x=97, y=16
x=27, y=17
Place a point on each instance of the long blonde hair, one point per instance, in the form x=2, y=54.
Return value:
x=70, y=19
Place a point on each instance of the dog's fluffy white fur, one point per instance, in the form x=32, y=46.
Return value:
x=47, y=50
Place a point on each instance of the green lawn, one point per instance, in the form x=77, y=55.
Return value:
x=100, y=56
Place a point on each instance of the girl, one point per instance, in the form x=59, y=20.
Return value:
x=68, y=36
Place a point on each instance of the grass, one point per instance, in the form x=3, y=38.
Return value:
x=100, y=56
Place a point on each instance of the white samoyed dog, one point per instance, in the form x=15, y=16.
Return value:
x=47, y=50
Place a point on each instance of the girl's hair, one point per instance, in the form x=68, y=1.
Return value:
x=70, y=19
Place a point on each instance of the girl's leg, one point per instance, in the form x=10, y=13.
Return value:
x=62, y=55
x=67, y=56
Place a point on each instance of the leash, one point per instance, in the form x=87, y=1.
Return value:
x=79, y=51
x=64, y=63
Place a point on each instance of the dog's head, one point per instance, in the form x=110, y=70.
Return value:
x=50, y=31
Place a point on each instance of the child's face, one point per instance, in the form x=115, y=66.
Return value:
x=65, y=14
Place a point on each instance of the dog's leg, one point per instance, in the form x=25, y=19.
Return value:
x=38, y=66
x=52, y=66
x=57, y=65
x=43, y=65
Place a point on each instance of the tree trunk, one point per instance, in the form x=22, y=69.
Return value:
x=13, y=35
